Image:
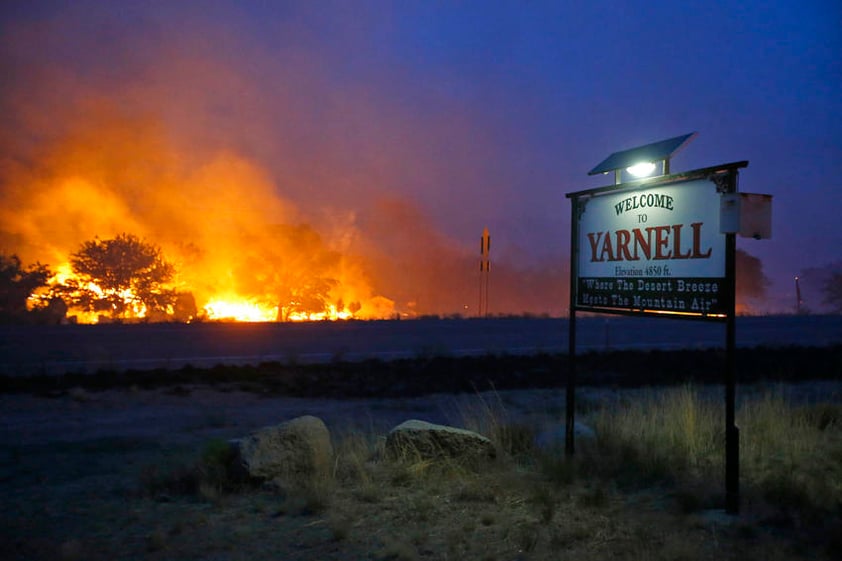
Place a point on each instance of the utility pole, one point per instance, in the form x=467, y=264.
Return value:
x=484, y=268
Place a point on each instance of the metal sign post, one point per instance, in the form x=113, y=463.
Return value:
x=570, y=407
x=732, y=432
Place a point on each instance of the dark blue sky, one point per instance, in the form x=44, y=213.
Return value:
x=481, y=113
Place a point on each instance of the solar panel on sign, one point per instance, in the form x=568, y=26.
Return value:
x=655, y=152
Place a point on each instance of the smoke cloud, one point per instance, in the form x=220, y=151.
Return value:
x=256, y=165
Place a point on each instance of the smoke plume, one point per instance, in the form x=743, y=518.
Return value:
x=259, y=171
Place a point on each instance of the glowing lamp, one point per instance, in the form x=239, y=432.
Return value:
x=642, y=160
x=643, y=169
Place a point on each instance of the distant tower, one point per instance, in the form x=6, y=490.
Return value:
x=484, y=268
x=798, y=300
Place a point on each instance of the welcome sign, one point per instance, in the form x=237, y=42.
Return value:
x=651, y=248
x=661, y=247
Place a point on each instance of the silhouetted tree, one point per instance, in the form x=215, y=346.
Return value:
x=751, y=280
x=17, y=284
x=833, y=292
x=820, y=288
x=184, y=308
x=119, y=276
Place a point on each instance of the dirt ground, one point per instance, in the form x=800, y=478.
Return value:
x=72, y=469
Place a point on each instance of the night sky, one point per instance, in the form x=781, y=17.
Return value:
x=461, y=115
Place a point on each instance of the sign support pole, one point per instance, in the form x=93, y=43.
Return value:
x=732, y=432
x=570, y=407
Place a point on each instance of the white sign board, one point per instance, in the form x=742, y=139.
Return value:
x=654, y=249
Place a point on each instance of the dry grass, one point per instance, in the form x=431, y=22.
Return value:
x=794, y=455
x=790, y=457
x=642, y=489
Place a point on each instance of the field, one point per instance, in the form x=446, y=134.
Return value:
x=131, y=465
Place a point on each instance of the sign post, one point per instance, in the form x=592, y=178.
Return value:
x=732, y=432
x=659, y=247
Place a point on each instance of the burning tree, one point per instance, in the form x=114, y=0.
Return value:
x=304, y=274
x=123, y=277
x=17, y=284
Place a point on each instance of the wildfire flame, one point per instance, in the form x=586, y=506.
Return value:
x=239, y=249
x=64, y=272
x=239, y=310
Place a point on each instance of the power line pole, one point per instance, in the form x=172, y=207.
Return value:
x=484, y=268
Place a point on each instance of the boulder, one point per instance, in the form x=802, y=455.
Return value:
x=294, y=450
x=419, y=440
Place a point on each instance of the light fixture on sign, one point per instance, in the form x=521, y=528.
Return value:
x=643, y=169
x=649, y=155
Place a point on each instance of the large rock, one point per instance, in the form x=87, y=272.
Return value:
x=294, y=450
x=419, y=440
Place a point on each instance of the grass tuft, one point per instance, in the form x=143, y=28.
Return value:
x=661, y=437
x=793, y=454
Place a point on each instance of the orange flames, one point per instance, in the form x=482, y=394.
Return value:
x=240, y=249
x=239, y=310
